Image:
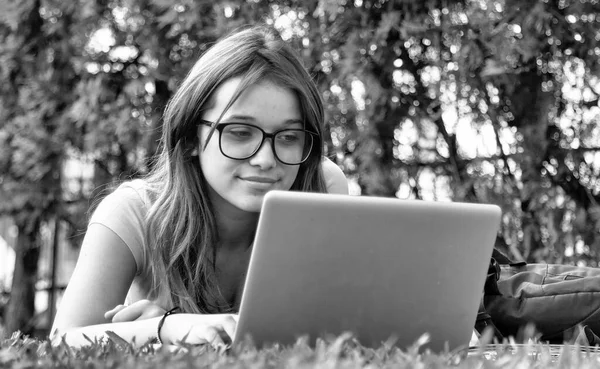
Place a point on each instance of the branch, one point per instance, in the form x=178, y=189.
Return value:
x=444, y=163
x=435, y=112
x=495, y=125
x=570, y=183
x=103, y=166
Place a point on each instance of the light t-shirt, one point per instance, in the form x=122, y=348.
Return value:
x=124, y=213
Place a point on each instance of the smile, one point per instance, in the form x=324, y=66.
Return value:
x=259, y=183
x=266, y=180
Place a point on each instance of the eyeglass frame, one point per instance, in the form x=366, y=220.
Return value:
x=221, y=126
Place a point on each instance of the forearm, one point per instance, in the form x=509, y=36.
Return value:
x=191, y=328
x=140, y=330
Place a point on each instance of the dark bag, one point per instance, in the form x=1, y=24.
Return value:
x=562, y=302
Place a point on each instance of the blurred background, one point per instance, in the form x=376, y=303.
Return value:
x=477, y=100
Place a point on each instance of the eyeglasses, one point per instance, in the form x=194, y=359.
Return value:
x=241, y=141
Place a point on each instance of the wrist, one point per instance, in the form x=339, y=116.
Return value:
x=160, y=331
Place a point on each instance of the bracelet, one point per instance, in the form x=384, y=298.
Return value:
x=162, y=321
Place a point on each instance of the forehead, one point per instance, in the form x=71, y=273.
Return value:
x=259, y=101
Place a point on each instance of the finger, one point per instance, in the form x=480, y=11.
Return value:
x=204, y=334
x=111, y=313
x=139, y=310
x=229, y=324
x=214, y=337
x=152, y=312
x=129, y=314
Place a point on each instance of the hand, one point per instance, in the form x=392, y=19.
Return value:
x=217, y=330
x=139, y=310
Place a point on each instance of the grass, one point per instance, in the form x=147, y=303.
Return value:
x=340, y=352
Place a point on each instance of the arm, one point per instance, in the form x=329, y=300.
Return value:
x=105, y=269
x=104, y=272
x=334, y=177
x=139, y=310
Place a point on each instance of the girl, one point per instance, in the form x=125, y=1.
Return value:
x=246, y=120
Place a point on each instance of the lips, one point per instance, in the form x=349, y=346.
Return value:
x=260, y=184
x=266, y=180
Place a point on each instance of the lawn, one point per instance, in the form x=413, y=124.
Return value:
x=340, y=352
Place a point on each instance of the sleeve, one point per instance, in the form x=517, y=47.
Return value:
x=335, y=179
x=123, y=212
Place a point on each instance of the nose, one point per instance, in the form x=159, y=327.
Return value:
x=264, y=157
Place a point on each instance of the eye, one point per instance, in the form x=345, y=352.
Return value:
x=290, y=137
x=240, y=132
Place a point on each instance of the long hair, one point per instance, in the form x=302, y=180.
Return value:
x=181, y=229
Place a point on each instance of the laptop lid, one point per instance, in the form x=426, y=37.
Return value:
x=377, y=267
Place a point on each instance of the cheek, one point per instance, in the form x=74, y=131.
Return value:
x=214, y=165
x=291, y=173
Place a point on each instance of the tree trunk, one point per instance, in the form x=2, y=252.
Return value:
x=161, y=97
x=21, y=309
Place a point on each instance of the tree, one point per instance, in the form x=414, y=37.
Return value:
x=431, y=69
x=486, y=101
x=84, y=81
x=30, y=142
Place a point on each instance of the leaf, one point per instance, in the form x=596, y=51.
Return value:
x=594, y=214
x=7, y=356
x=168, y=19
x=162, y=4
x=389, y=21
x=328, y=8
x=492, y=68
x=87, y=338
x=12, y=11
x=118, y=341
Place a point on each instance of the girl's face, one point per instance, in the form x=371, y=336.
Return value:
x=244, y=183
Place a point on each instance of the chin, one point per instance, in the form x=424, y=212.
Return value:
x=252, y=205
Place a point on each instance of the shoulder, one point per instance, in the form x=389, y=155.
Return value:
x=124, y=212
x=127, y=193
x=335, y=179
x=131, y=191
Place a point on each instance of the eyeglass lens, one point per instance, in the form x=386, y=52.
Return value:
x=241, y=141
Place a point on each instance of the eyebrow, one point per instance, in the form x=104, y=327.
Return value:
x=249, y=118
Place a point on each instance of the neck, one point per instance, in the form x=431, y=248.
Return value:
x=236, y=227
x=236, y=230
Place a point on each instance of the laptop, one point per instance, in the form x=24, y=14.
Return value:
x=383, y=269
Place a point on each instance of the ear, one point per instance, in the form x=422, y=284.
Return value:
x=194, y=151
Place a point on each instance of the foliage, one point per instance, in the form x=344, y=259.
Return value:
x=340, y=352
x=490, y=101
x=486, y=101
x=493, y=101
